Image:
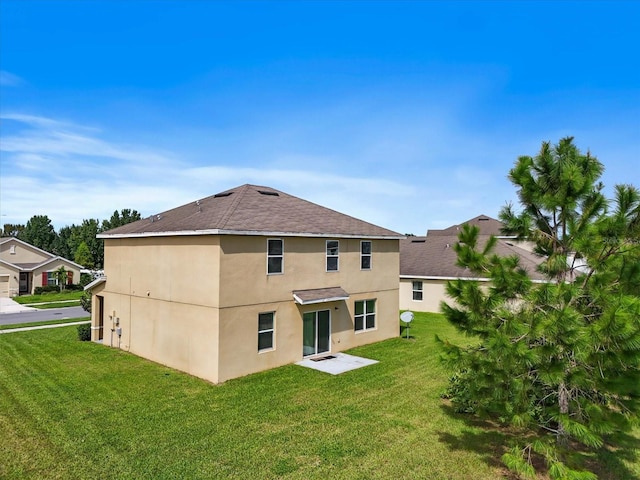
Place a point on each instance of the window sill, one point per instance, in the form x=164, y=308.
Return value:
x=357, y=332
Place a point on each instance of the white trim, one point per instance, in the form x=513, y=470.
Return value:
x=281, y=256
x=322, y=300
x=272, y=330
x=414, y=290
x=478, y=279
x=217, y=231
x=364, y=328
x=96, y=282
x=80, y=267
x=370, y=255
x=327, y=256
x=14, y=239
x=311, y=355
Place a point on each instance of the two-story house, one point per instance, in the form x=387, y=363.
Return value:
x=246, y=280
x=428, y=263
x=24, y=267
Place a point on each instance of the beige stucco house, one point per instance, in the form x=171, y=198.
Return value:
x=24, y=267
x=245, y=280
x=428, y=263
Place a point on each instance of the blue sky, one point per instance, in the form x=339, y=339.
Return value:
x=405, y=114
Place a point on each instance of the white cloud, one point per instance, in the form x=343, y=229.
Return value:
x=61, y=170
x=8, y=79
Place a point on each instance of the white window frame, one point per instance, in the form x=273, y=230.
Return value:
x=55, y=279
x=364, y=315
x=271, y=330
x=336, y=256
x=415, y=290
x=281, y=256
x=12, y=250
x=365, y=255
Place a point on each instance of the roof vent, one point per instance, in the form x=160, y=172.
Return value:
x=224, y=194
x=266, y=192
x=418, y=241
x=483, y=219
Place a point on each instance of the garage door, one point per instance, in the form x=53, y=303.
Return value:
x=4, y=285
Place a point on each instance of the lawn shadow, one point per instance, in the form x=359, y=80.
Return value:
x=618, y=449
x=490, y=442
x=483, y=438
x=405, y=332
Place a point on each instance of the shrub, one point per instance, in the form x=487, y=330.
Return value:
x=84, y=332
x=45, y=289
x=85, y=279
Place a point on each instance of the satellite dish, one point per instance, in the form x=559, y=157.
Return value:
x=406, y=317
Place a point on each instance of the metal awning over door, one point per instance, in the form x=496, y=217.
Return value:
x=320, y=295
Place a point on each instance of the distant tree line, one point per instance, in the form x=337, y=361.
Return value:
x=75, y=242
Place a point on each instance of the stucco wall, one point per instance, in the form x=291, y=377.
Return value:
x=192, y=302
x=52, y=267
x=433, y=292
x=239, y=327
x=23, y=253
x=244, y=269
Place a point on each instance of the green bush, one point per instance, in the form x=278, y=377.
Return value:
x=46, y=289
x=84, y=332
x=56, y=289
x=85, y=279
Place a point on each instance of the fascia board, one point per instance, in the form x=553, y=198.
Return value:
x=246, y=233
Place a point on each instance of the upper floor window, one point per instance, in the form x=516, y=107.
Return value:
x=275, y=255
x=333, y=251
x=417, y=290
x=365, y=255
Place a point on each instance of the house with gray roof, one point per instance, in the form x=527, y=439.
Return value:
x=245, y=280
x=428, y=263
x=24, y=267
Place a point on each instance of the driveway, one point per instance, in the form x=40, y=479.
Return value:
x=9, y=306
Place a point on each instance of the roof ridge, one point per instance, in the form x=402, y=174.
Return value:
x=234, y=204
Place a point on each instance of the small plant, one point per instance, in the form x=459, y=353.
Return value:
x=84, y=332
x=85, y=301
x=45, y=289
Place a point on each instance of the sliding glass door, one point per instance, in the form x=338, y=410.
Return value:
x=316, y=332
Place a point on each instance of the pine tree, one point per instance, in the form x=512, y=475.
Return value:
x=560, y=359
x=83, y=256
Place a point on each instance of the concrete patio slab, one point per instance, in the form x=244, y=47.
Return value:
x=336, y=363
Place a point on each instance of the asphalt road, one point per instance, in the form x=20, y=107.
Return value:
x=43, y=315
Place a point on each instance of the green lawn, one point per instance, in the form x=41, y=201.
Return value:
x=49, y=297
x=71, y=409
x=46, y=322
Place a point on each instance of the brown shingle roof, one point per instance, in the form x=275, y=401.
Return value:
x=434, y=256
x=251, y=209
x=486, y=224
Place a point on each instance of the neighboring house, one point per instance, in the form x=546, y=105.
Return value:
x=428, y=263
x=24, y=267
x=245, y=280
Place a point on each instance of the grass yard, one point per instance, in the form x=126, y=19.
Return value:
x=39, y=324
x=71, y=409
x=50, y=297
